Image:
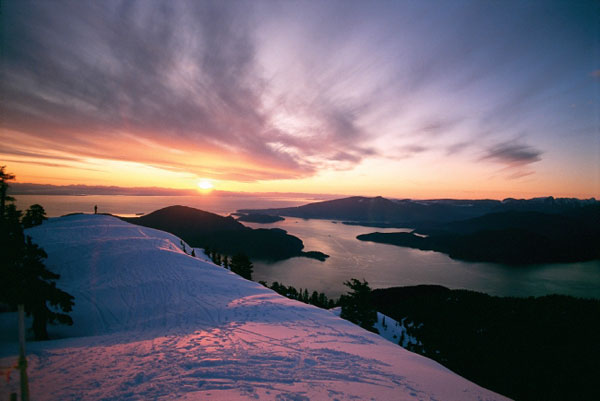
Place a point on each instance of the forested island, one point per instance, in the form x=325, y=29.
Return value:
x=224, y=234
x=258, y=218
x=511, y=237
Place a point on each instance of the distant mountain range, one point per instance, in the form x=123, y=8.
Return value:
x=511, y=237
x=379, y=211
x=224, y=234
x=512, y=231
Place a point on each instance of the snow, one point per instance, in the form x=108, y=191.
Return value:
x=389, y=329
x=152, y=322
x=394, y=331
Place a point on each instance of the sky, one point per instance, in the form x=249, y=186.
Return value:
x=407, y=99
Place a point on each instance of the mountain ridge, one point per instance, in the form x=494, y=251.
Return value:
x=410, y=213
x=151, y=321
x=511, y=237
x=224, y=234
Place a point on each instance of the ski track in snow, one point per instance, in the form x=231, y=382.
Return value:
x=152, y=322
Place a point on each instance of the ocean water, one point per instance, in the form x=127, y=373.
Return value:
x=380, y=264
x=130, y=205
x=384, y=265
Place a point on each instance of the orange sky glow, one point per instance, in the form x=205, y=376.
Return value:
x=258, y=99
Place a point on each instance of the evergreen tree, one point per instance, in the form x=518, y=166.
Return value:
x=12, y=241
x=314, y=298
x=357, y=306
x=225, y=262
x=34, y=216
x=317, y=299
x=240, y=264
x=24, y=279
x=4, y=198
x=322, y=301
x=40, y=289
x=193, y=252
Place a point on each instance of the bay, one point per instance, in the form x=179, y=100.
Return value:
x=384, y=265
x=381, y=265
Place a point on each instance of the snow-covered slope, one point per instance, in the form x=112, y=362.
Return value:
x=152, y=322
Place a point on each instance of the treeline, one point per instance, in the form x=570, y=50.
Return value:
x=356, y=305
x=239, y=263
x=543, y=348
x=315, y=298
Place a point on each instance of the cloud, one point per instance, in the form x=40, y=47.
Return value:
x=513, y=154
x=411, y=150
x=516, y=158
x=17, y=188
x=520, y=174
x=84, y=77
x=252, y=91
x=457, y=148
x=439, y=126
x=46, y=189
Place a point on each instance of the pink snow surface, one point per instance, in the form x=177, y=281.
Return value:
x=154, y=323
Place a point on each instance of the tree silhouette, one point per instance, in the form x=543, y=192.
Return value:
x=24, y=279
x=4, y=177
x=357, y=305
x=317, y=299
x=39, y=289
x=240, y=264
x=34, y=216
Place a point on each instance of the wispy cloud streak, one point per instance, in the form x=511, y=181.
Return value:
x=251, y=91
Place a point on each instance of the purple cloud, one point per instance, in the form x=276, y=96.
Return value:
x=513, y=154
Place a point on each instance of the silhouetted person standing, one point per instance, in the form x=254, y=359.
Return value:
x=95, y=209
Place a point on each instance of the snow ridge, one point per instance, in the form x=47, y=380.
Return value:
x=152, y=322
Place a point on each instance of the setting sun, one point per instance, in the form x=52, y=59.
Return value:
x=205, y=185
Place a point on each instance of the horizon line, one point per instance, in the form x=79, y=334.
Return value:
x=17, y=189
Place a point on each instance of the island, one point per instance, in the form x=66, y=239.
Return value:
x=258, y=218
x=225, y=235
x=512, y=237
